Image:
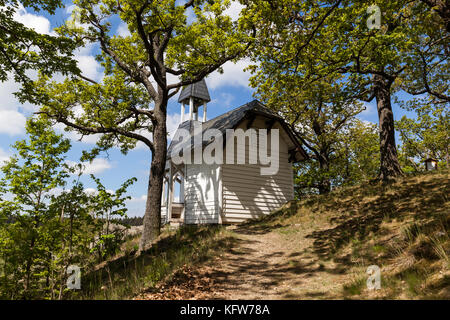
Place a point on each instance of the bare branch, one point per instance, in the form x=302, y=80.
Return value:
x=153, y=64
x=101, y=129
x=87, y=79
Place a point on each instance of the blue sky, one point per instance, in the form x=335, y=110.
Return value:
x=228, y=91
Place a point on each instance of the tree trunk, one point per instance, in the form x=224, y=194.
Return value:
x=446, y=157
x=389, y=165
x=446, y=151
x=324, y=165
x=324, y=184
x=152, y=217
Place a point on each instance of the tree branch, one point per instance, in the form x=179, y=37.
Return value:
x=100, y=130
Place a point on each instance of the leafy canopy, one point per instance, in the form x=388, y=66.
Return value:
x=169, y=45
x=23, y=49
x=47, y=224
x=332, y=38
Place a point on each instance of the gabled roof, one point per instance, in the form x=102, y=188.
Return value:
x=198, y=90
x=232, y=119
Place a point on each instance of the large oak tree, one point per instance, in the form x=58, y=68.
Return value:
x=373, y=48
x=170, y=44
x=23, y=49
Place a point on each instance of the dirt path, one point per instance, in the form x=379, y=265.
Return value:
x=311, y=249
x=263, y=264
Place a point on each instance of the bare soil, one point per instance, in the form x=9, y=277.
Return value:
x=321, y=247
x=261, y=265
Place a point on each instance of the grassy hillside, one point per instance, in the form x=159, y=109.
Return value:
x=312, y=249
x=129, y=274
x=403, y=228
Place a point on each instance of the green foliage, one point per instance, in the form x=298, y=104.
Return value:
x=45, y=226
x=107, y=209
x=331, y=38
x=110, y=108
x=322, y=113
x=360, y=148
x=427, y=136
x=23, y=49
x=353, y=159
x=164, y=51
x=131, y=275
x=306, y=49
x=170, y=45
x=355, y=287
x=29, y=177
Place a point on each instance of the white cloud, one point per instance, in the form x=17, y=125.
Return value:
x=233, y=75
x=146, y=133
x=190, y=16
x=225, y=99
x=171, y=79
x=173, y=121
x=12, y=122
x=96, y=166
x=91, y=191
x=12, y=113
x=370, y=109
x=368, y=123
x=69, y=9
x=8, y=88
x=234, y=10
x=75, y=136
x=39, y=24
x=142, y=198
x=74, y=16
x=122, y=30
x=89, y=66
x=94, y=192
x=84, y=55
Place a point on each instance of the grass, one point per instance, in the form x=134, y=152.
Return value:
x=403, y=227
x=355, y=287
x=128, y=274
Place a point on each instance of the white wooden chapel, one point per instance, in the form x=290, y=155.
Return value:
x=227, y=193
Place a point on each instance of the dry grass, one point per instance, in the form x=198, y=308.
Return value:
x=128, y=274
x=312, y=249
x=402, y=227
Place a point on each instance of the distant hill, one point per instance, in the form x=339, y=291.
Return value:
x=132, y=221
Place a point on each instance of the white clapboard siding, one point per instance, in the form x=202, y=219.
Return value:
x=163, y=215
x=248, y=194
x=202, y=193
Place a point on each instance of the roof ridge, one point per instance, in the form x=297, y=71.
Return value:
x=197, y=90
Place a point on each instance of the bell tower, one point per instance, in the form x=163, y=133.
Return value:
x=195, y=95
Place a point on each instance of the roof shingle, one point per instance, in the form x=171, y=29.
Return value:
x=198, y=90
x=230, y=120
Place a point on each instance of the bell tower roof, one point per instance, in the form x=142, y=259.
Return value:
x=198, y=91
